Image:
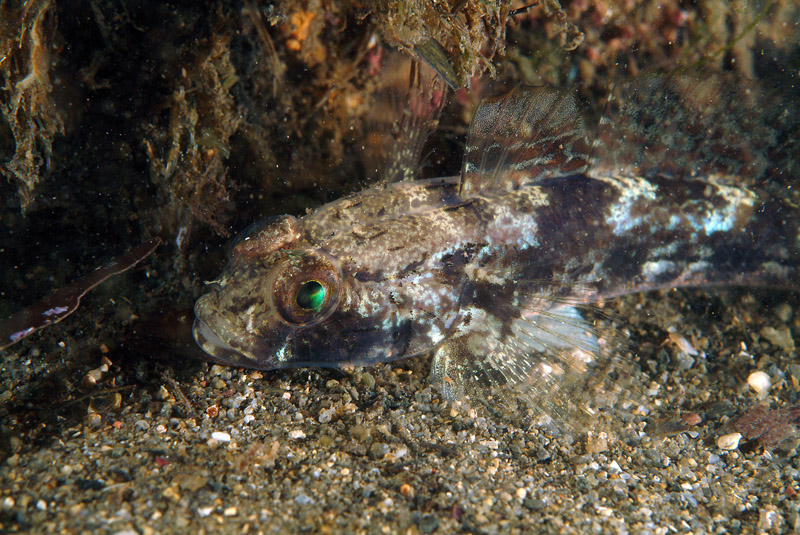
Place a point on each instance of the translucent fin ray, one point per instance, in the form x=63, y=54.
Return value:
x=521, y=137
x=557, y=363
x=697, y=124
x=419, y=115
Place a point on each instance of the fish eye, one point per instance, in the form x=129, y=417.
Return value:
x=305, y=287
x=310, y=295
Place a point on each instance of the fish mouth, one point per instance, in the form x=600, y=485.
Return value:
x=216, y=341
x=214, y=346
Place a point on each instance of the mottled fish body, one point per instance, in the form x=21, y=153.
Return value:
x=688, y=182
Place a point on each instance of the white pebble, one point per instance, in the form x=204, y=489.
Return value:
x=760, y=382
x=297, y=434
x=729, y=441
x=401, y=452
x=221, y=436
x=204, y=511
x=326, y=416
x=303, y=499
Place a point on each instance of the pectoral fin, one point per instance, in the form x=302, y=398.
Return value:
x=552, y=358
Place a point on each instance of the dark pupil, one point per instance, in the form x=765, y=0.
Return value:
x=311, y=295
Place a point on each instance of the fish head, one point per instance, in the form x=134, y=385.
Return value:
x=284, y=301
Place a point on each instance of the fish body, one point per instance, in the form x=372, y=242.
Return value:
x=489, y=270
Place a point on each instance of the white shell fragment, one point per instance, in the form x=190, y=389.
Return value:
x=760, y=382
x=221, y=436
x=729, y=441
x=683, y=344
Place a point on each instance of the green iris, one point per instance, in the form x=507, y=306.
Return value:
x=311, y=295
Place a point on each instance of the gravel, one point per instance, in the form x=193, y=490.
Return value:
x=376, y=450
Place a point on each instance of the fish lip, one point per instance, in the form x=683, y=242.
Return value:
x=216, y=348
x=208, y=340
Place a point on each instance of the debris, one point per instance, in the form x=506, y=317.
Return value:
x=188, y=150
x=458, y=45
x=65, y=301
x=768, y=427
x=669, y=427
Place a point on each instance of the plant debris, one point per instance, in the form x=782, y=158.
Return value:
x=65, y=301
x=769, y=428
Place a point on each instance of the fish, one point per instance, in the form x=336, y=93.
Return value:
x=687, y=179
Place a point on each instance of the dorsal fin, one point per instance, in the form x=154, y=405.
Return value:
x=519, y=138
x=413, y=112
x=696, y=124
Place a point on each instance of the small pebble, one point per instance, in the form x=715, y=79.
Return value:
x=368, y=380
x=191, y=482
x=221, y=436
x=779, y=337
x=142, y=425
x=303, y=499
x=784, y=312
x=204, y=511
x=360, y=433
x=760, y=382
x=378, y=450
x=683, y=344
x=297, y=434
x=691, y=418
x=729, y=441
x=428, y=523
x=596, y=443
x=172, y=494
x=94, y=420
x=92, y=378
x=218, y=383
x=400, y=452
x=326, y=416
